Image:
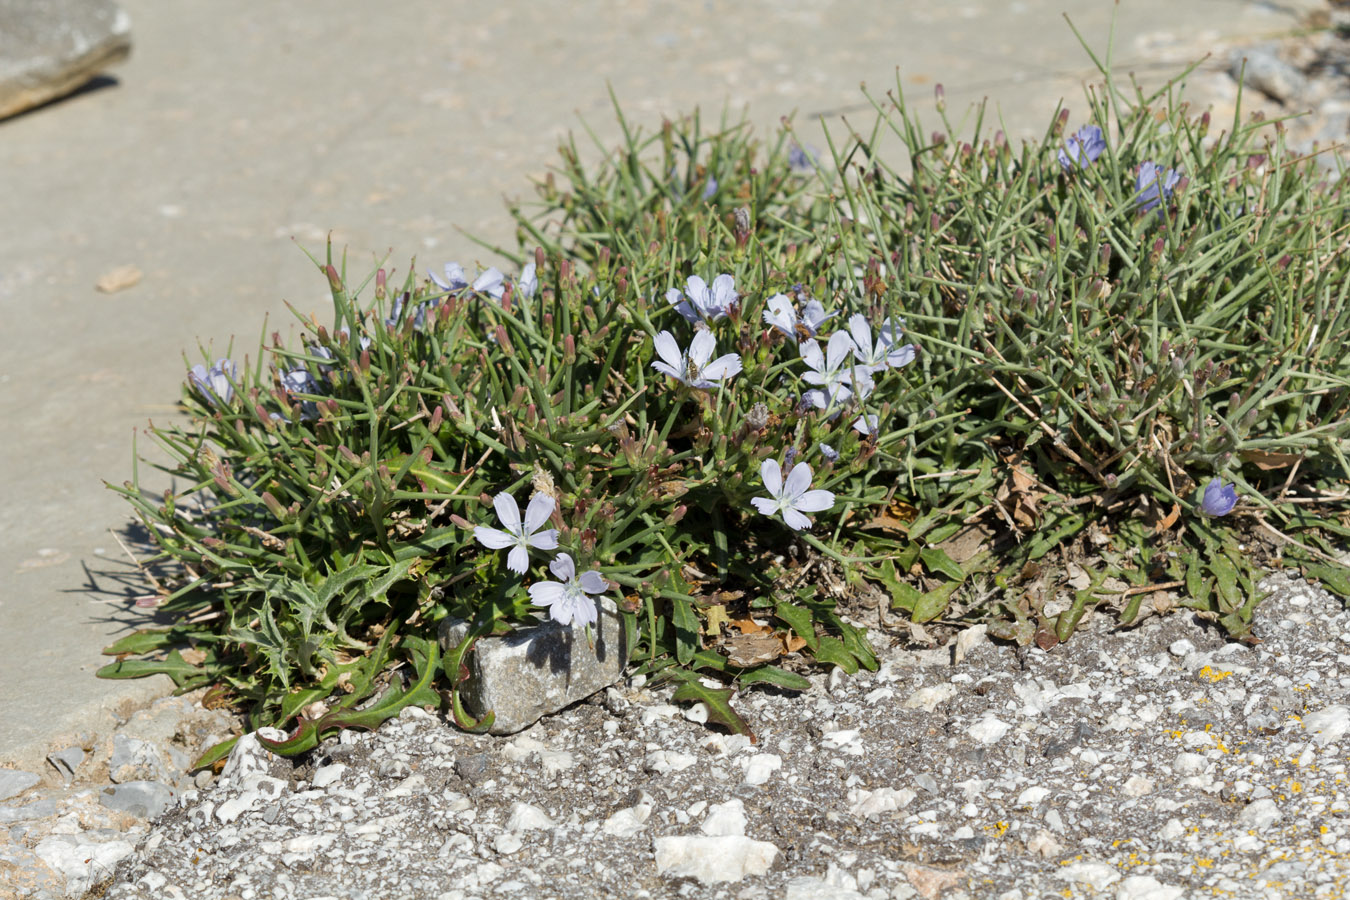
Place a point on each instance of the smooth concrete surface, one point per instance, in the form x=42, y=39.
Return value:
x=239, y=133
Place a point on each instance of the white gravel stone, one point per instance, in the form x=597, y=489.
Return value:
x=82, y=862
x=929, y=698
x=1189, y=764
x=525, y=817
x=713, y=859
x=989, y=730
x=1327, y=725
x=1096, y=875
x=760, y=767
x=846, y=741
x=1146, y=887
x=628, y=821
x=1137, y=786
x=1181, y=647
x=1260, y=814
x=507, y=842
x=866, y=803
x=327, y=775
x=725, y=819
x=663, y=762
x=248, y=757
x=1032, y=795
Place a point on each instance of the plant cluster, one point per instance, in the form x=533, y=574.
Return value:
x=958, y=381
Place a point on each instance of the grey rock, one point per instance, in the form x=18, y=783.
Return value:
x=538, y=670
x=14, y=782
x=137, y=760
x=49, y=48
x=147, y=799
x=473, y=769
x=67, y=761
x=1260, y=68
x=38, y=809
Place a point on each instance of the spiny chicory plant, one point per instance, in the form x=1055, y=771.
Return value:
x=718, y=359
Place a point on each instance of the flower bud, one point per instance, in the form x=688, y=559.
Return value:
x=274, y=506
x=940, y=97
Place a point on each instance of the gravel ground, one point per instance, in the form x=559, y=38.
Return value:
x=1159, y=762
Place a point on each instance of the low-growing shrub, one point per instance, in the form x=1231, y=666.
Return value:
x=989, y=384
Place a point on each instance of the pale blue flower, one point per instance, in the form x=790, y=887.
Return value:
x=1083, y=148
x=492, y=283
x=566, y=599
x=780, y=313
x=792, y=498
x=693, y=368
x=887, y=352
x=803, y=159
x=365, y=338
x=214, y=384
x=527, y=283
x=832, y=371
x=1154, y=185
x=454, y=279
x=699, y=302
x=866, y=424
x=830, y=454
x=1219, y=498
x=397, y=311
x=520, y=537
x=300, y=381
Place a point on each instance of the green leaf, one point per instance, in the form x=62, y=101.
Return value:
x=718, y=701
x=832, y=650
x=686, y=630
x=933, y=604
x=775, y=676
x=936, y=560
x=1067, y=621
x=1226, y=578
x=1335, y=579
x=215, y=754
x=799, y=620
x=146, y=641
x=426, y=658
x=855, y=642
x=177, y=668
x=906, y=597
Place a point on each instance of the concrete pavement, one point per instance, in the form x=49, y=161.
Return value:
x=238, y=131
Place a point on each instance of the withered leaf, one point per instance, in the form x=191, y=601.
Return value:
x=747, y=650
x=1266, y=460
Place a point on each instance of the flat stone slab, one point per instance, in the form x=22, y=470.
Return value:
x=538, y=670
x=49, y=48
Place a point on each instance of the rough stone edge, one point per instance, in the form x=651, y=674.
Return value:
x=99, y=719
x=30, y=89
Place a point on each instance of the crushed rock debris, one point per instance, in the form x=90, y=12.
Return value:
x=1155, y=762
